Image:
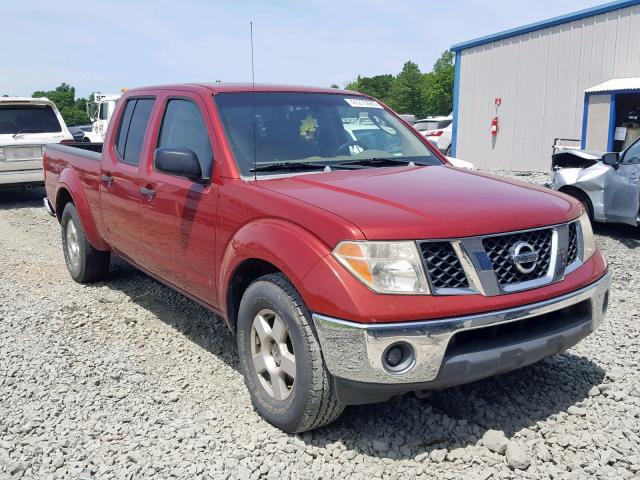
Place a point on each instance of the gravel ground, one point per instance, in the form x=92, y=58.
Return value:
x=127, y=379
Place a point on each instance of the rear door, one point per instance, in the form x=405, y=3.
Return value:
x=622, y=188
x=120, y=178
x=178, y=216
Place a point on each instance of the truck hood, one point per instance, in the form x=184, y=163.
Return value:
x=427, y=202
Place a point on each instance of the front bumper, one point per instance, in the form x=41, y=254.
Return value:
x=459, y=350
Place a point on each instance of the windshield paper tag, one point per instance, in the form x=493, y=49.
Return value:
x=362, y=103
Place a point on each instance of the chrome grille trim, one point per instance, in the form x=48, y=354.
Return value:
x=473, y=259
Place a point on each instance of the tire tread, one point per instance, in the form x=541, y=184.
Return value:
x=323, y=406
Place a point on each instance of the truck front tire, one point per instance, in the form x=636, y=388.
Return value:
x=84, y=262
x=281, y=358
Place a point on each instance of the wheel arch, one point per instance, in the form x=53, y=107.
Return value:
x=580, y=195
x=264, y=247
x=71, y=190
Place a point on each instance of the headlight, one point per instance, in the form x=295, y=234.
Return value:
x=384, y=267
x=588, y=240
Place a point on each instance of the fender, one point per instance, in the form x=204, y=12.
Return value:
x=70, y=181
x=291, y=248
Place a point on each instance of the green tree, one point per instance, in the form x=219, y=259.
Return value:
x=378, y=87
x=72, y=109
x=406, y=91
x=411, y=91
x=437, y=86
x=335, y=85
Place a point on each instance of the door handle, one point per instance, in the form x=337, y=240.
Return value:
x=148, y=193
x=106, y=179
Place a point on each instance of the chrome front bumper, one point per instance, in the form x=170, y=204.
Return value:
x=354, y=351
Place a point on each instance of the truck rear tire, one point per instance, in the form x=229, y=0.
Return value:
x=84, y=262
x=281, y=358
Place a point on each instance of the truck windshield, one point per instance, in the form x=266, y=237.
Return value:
x=315, y=130
x=28, y=119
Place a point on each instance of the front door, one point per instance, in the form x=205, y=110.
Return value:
x=120, y=180
x=622, y=189
x=178, y=215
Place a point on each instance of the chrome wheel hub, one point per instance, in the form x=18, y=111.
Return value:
x=73, y=245
x=272, y=353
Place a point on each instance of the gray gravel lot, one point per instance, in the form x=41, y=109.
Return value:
x=127, y=379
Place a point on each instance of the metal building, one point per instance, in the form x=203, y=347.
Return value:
x=574, y=77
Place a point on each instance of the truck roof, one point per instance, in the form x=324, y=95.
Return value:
x=220, y=87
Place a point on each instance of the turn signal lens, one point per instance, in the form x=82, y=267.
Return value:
x=384, y=267
x=588, y=239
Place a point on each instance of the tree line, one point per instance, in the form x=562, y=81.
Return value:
x=411, y=91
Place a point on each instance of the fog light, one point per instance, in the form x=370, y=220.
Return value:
x=398, y=357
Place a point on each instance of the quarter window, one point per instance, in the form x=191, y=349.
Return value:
x=183, y=127
x=132, y=128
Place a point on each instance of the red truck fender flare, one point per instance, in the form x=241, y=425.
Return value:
x=70, y=182
x=290, y=248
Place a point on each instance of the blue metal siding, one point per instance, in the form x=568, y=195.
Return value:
x=589, y=12
x=612, y=122
x=456, y=95
x=585, y=117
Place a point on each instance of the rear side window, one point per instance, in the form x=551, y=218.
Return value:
x=184, y=127
x=28, y=119
x=132, y=128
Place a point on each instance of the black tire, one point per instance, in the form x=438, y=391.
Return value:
x=447, y=152
x=91, y=264
x=312, y=400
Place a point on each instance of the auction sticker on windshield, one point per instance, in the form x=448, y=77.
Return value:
x=362, y=103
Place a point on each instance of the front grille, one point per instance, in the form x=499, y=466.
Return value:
x=572, y=251
x=499, y=247
x=443, y=267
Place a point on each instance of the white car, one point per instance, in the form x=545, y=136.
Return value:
x=438, y=131
x=26, y=126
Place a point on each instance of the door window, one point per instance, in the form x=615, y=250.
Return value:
x=632, y=155
x=184, y=127
x=132, y=128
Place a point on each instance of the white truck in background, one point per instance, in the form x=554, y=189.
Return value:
x=99, y=112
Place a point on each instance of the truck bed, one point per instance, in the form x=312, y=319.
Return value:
x=73, y=162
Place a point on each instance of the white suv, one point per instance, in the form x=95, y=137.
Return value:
x=26, y=126
x=438, y=131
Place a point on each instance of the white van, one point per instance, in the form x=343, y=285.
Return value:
x=26, y=126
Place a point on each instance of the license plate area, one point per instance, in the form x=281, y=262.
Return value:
x=21, y=153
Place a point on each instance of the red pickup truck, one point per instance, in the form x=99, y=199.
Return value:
x=351, y=260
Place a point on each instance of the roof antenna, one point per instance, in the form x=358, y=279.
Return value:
x=253, y=96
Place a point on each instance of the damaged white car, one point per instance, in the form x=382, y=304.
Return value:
x=607, y=183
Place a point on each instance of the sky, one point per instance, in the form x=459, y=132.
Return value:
x=108, y=45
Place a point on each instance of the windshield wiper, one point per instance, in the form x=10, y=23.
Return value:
x=283, y=166
x=28, y=130
x=376, y=161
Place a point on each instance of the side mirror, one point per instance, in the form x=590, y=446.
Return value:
x=182, y=162
x=612, y=159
